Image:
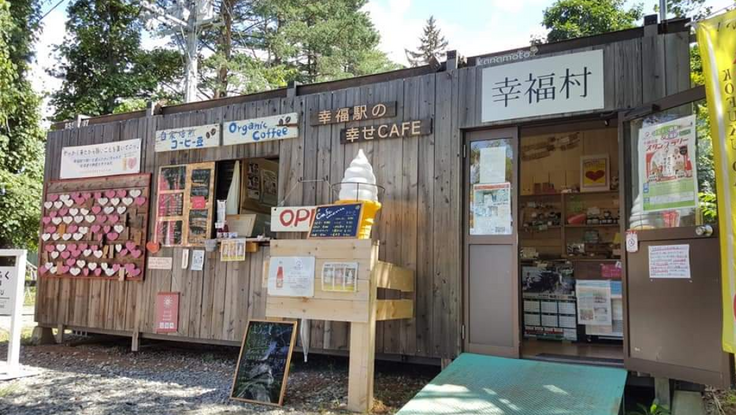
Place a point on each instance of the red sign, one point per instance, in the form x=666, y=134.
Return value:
x=199, y=202
x=167, y=312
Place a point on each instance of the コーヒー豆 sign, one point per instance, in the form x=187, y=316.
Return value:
x=277, y=127
x=559, y=84
x=188, y=138
x=292, y=218
x=108, y=159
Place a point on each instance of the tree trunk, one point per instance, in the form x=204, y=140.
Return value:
x=224, y=47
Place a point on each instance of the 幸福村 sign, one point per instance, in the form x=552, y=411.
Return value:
x=354, y=113
x=108, y=159
x=189, y=138
x=559, y=84
x=413, y=128
x=277, y=127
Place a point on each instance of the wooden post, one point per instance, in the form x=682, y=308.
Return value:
x=60, y=333
x=362, y=360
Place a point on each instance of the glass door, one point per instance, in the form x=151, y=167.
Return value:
x=491, y=287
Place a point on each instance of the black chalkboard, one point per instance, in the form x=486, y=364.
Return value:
x=263, y=365
x=201, y=177
x=336, y=221
x=172, y=178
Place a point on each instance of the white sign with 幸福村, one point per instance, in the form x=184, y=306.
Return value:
x=559, y=84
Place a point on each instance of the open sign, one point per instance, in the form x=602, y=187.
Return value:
x=292, y=218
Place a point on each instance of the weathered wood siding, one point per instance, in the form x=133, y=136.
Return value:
x=419, y=226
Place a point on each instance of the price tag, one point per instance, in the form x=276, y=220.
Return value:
x=632, y=241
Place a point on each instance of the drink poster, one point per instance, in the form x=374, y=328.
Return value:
x=667, y=166
x=340, y=276
x=263, y=364
x=232, y=250
x=291, y=276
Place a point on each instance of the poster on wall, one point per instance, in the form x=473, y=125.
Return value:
x=189, y=138
x=493, y=164
x=340, y=276
x=256, y=130
x=167, y=312
x=667, y=176
x=108, y=159
x=594, y=173
x=232, y=250
x=291, y=276
x=554, y=85
x=197, y=260
x=594, y=302
x=491, y=209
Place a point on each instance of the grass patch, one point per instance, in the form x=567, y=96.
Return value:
x=26, y=333
x=9, y=389
x=29, y=297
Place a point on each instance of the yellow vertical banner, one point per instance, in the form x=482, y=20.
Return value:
x=717, y=42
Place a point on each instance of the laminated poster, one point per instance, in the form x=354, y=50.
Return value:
x=340, y=276
x=197, y=260
x=669, y=261
x=493, y=164
x=668, y=179
x=291, y=276
x=232, y=250
x=491, y=209
x=594, y=302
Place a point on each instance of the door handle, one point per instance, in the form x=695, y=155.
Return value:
x=704, y=230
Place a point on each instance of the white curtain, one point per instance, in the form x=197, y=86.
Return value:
x=233, y=194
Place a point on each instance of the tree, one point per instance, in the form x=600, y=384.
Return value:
x=21, y=137
x=431, y=43
x=102, y=64
x=569, y=19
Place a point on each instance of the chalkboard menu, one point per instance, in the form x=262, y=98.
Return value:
x=336, y=221
x=263, y=365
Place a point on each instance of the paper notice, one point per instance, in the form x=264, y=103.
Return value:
x=669, y=261
x=493, y=164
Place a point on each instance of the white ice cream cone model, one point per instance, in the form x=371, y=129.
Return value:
x=359, y=186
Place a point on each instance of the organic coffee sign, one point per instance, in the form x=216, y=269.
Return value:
x=413, y=128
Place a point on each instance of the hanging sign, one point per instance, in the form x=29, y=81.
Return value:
x=189, y=138
x=336, y=221
x=167, y=312
x=667, y=165
x=413, y=128
x=108, y=159
x=717, y=45
x=291, y=276
x=263, y=364
x=354, y=113
x=554, y=85
x=292, y=218
x=256, y=130
x=632, y=241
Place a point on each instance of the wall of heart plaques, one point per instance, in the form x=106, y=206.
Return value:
x=95, y=228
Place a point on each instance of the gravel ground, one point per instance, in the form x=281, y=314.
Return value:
x=102, y=376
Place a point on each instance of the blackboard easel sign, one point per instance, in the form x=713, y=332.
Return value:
x=263, y=364
x=336, y=221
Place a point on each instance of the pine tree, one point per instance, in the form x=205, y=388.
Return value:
x=432, y=43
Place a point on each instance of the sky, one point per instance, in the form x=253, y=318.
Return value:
x=472, y=27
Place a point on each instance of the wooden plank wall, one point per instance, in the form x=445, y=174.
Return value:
x=418, y=227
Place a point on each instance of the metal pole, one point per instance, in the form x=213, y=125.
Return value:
x=190, y=92
x=662, y=10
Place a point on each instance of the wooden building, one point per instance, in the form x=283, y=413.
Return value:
x=461, y=304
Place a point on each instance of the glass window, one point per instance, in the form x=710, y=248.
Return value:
x=491, y=176
x=672, y=176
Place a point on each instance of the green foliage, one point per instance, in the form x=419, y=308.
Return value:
x=569, y=19
x=431, y=43
x=21, y=137
x=102, y=64
x=709, y=207
x=653, y=409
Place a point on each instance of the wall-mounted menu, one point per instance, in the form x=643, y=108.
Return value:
x=95, y=228
x=263, y=365
x=336, y=221
x=185, y=204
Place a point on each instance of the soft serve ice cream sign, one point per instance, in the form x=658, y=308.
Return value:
x=256, y=130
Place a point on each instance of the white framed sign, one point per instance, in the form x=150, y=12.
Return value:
x=107, y=159
x=256, y=130
x=189, y=138
x=12, y=282
x=292, y=218
x=554, y=85
x=291, y=276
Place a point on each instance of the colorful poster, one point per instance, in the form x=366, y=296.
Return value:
x=594, y=173
x=491, y=209
x=256, y=130
x=594, y=302
x=667, y=175
x=717, y=44
x=189, y=138
x=167, y=312
x=232, y=250
x=340, y=276
x=291, y=276
x=669, y=261
x=108, y=159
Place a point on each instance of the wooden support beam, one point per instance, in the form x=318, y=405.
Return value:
x=394, y=309
x=60, y=334
x=394, y=277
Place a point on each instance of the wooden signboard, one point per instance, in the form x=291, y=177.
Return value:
x=263, y=364
x=336, y=221
x=95, y=227
x=353, y=114
x=184, y=207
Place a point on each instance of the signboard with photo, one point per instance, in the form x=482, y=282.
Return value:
x=340, y=276
x=291, y=276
